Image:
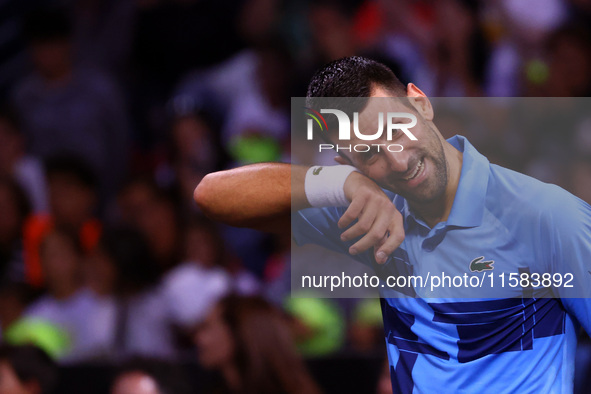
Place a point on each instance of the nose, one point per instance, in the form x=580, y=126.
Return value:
x=398, y=161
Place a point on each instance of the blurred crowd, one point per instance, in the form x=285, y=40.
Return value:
x=113, y=110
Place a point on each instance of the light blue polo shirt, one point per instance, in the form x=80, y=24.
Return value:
x=489, y=338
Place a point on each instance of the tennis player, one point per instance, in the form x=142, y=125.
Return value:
x=437, y=205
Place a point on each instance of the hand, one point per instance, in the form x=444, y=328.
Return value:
x=376, y=215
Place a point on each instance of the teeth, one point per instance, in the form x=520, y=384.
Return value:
x=417, y=170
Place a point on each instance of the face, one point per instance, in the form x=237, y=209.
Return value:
x=201, y=246
x=191, y=136
x=51, y=58
x=71, y=202
x=134, y=203
x=419, y=171
x=215, y=345
x=159, y=226
x=135, y=383
x=60, y=259
x=10, y=384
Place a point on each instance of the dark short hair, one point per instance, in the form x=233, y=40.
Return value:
x=30, y=363
x=129, y=252
x=47, y=24
x=70, y=235
x=73, y=166
x=353, y=76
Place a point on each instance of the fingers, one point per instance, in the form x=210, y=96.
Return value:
x=366, y=220
x=351, y=213
x=382, y=228
x=392, y=241
x=373, y=236
x=379, y=223
x=376, y=233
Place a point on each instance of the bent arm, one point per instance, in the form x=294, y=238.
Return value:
x=259, y=196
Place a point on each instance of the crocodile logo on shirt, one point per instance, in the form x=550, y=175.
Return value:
x=478, y=265
x=316, y=171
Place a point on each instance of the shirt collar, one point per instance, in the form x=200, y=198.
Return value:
x=468, y=206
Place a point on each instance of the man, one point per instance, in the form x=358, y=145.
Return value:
x=72, y=189
x=67, y=108
x=452, y=207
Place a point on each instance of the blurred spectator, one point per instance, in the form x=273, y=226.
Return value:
x=569, y=61
x=384, y=385
x=67, y=109
x=192, y=288
x=26, y=169
x=460, y=52
x=366, y=330
x=26, y=370
x=523, y=25
x=66, y=305
x=580, y=10
x=133, y=200
x=102, y=34
x=331, y=27
x=14, y=209
x=73, y=199
x=258, y=20
x=172, y=37
x=250, y=91
x=150, y=376
x=250, y=344
x=135, y=382
x=442, y=58
x=142, y=292
x=154, y=212
x=123, y=275
x=257, y=125
x=399, y=30
x=205, y=246
x=194, y=151
x=13, y=56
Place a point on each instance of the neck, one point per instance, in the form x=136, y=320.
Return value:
x=438, y=211
x=231, y=377
x=58, y=77
x=64, y=291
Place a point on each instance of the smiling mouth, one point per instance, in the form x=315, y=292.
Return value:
x=417, y=170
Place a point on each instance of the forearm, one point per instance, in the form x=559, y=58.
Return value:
x=260, y=196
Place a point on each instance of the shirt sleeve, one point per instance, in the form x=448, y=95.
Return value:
x=568, y=229
x=319, y=226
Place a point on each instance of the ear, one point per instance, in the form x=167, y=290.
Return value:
x=420, y=101
x=341, y=160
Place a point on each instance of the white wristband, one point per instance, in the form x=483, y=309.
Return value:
x=324, y=185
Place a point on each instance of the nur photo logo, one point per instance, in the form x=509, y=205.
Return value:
x=394, y=122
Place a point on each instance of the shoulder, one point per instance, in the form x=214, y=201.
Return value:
x=524, y=192
x=45, y=307
x=522, y=197
x=96, y=82
x=25, y=89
